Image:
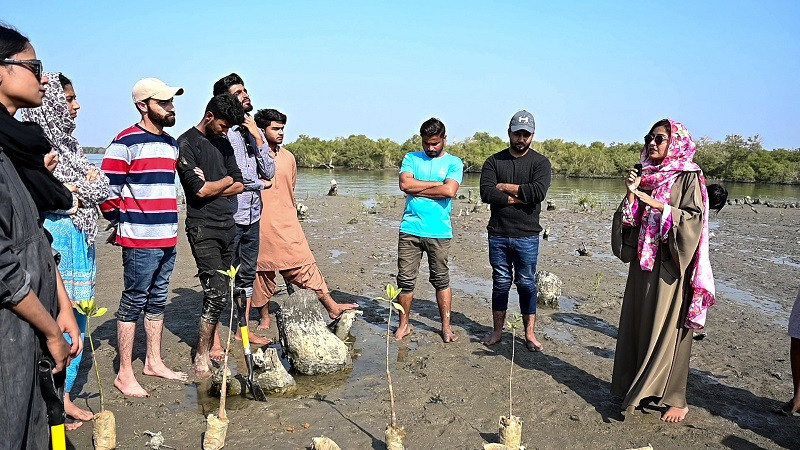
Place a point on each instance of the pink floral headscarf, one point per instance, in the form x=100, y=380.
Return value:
x=660, y=178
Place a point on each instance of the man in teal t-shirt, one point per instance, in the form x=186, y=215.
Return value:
x=430, y=179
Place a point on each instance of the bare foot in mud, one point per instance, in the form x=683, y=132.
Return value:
x=448, y=336
x=674, y=415
x=402, y=332
x=72, y=410
x=130, y=388
x=533, y=344
x=338, y=308
x=493, y=338
x=263, y=323
x=201, y=366
x=160, y=370
x=253, y=338
x=71, y=424
x=217, y=353
x=789, y=408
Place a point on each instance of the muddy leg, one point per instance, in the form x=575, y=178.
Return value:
x=126, y=380
x=443, y=299
x=498, y=320
x=533, y=344
x=403, y=329
x=153, y=364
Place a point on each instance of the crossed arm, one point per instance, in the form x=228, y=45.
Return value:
x=224, y=187
x=428, y=189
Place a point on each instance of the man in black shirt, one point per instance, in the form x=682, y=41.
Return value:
x=514, y=182
x=209, y=174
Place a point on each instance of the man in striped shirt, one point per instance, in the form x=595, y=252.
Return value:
x=140, y=164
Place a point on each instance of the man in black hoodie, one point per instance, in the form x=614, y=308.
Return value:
x=514, y=182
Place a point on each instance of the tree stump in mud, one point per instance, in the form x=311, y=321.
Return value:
x=270, y=373
x=310, y=346
x=548, y=287
x=395, y=438
x=234, y=384
x=510, y=431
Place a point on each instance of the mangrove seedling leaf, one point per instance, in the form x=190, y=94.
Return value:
x=391, y=291
x=100, y=312
x=398, y=307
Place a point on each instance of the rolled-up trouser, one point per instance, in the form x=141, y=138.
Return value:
x=306, y=277
x=514, y=256
x=212, y=249
x=409, y=255
x=245, y=256
x=146, y=273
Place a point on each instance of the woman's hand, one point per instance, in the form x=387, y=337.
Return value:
x=632, y=181
x=648, y=200
x=51, y=160
x=93, y=174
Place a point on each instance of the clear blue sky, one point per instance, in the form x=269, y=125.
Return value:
x=587, y=70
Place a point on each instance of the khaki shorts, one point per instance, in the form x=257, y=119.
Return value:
x=409, y=255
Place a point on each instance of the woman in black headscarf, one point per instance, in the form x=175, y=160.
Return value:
x=32, y=315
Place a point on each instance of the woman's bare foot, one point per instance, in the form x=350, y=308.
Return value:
x=130, y=387
x=448, y=336
x=674, y=415
x=160, y=370
x=75, y=416
x=493, y=338
x=402, y=332
x=71, y=424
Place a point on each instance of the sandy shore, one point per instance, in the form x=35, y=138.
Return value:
x=451, y=396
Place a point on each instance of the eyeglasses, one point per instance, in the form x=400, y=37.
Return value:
x=34, y=65
x=659, y=138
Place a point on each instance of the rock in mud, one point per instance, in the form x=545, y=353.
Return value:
x=548, y=286
x=270, y=373
x=310, y=346
x=323, y=443
x=234, y=384
x=341, y=327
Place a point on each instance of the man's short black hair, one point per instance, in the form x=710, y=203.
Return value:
x=717, y=196
x=223, y=84
x=432, y=127
x=264, y=116
x=227, y=107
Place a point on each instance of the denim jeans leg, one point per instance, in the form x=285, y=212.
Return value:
x=139, y=266
x=159, y=291
x=525, y=254
x=245, y=256
x=500, y=259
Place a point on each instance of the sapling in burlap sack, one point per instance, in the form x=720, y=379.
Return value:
x=511, y=426
x=394, y=435
x=104, y=433
x=217, y=426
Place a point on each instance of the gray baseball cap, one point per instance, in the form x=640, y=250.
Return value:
x=522, y=120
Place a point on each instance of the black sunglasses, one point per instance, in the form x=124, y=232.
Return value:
x=659, y=138
x=34, y=65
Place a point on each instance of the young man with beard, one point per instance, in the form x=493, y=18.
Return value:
x=209, y=174
x=430, y=179
x=514, y=182
x=140, y=165
x=283, y=245
x=258, y=168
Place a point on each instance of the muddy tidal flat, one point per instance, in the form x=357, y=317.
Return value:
x=450, y=396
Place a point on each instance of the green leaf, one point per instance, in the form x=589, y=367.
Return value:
x=381, y=299
x=398, y=307
x=100, y=312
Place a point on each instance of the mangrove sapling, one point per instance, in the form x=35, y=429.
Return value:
x=511, y=426
x=217, y=427
x=394, y=435
x=104, y=433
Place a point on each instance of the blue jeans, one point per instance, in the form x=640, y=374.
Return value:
x=245, y=255
x=146, y=273
x=514, y=258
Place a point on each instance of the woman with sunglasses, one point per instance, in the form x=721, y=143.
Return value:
x=34, y=307
x=73, y=230
x=661, y=229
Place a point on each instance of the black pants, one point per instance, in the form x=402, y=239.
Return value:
x=212, y=249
